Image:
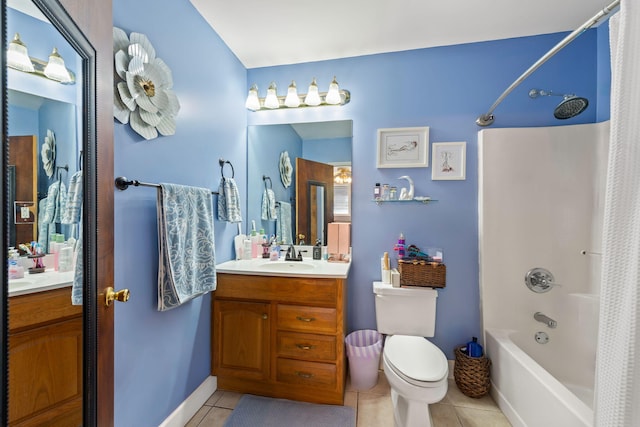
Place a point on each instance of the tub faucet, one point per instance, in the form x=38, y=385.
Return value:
x=545, y=319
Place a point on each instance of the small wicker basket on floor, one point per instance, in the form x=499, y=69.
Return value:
x=471, y=374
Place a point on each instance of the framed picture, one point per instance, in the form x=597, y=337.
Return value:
x=449, y=160
x=403, y=147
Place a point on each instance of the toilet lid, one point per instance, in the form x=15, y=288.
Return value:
x=416, y=358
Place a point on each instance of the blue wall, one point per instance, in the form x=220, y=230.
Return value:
x=445, y=88
x=327, y=150
x=161, y=357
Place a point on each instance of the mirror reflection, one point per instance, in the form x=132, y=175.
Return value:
x=44, y=123
x=320, y=191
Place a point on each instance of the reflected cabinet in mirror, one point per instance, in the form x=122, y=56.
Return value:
x=320, y=191
x=49, y=210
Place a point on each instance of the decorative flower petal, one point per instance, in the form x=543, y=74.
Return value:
x=125, y=96
x=120, y=111
x=167, y=76
x=137, y=51
x=167, y=126
x=160, y=100
x=152, y=119
x=156, y=74
x=143, y=41
x=174, y=104
x=144, y=102
x=120, y=40
x=141, y=128
x=121, y=63
x=136, y=66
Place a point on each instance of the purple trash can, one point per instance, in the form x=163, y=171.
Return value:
x=363, y=351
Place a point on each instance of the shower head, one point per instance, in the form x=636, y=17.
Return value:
x=569, y=107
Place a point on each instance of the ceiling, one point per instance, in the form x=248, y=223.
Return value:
x=277, y=32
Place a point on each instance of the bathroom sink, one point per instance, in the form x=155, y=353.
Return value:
x=287, y=266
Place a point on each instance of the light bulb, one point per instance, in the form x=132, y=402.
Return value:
x=292, y=100
x=271, y=101
x=313, y=97
x=253, y=102
x=17, y=55
x=55, y=69
x=333, y=96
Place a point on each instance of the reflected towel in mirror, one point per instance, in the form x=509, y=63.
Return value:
x=186, y=265
x=269, y=205
x=283, y=224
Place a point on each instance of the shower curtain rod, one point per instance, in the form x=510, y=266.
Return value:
x=488, y=118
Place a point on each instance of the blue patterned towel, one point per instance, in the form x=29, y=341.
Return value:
x=228, y=201
x=71, y=214
x=78, y=275
x=187, y=265
x=269, y=205
x=56, y=202
x=283, y=223
x=43, y=227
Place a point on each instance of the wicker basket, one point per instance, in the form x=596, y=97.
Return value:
x=422, y=273
x=471, y=374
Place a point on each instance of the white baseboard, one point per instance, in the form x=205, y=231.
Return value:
x=187, y=409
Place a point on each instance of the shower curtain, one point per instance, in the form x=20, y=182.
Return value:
x=617, y=399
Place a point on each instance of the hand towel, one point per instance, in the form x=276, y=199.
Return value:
x=56, y=202
x=228, y=201
x=71, y=214
x=43, y=227
x=283, y=223
x=269, y=205
x=78, y=275
x=186, y=267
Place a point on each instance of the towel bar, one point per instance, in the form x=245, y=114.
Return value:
x=122, y=183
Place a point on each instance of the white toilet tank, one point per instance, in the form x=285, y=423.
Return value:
x=405, y=311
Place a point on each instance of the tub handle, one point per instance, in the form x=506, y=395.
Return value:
x=540, y=280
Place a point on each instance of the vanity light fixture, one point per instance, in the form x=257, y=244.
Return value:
x=18, y=58
x=313, y=98
x=55, y=69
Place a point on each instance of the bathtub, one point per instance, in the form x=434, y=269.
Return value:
x=527, y=393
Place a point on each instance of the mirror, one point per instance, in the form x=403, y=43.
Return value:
x=317, y=204
x=49, y=350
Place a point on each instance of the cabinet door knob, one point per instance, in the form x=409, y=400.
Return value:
x=305, y=319
x=305, y=346
x=265, y=316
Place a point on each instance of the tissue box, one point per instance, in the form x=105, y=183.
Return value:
x=422, y=273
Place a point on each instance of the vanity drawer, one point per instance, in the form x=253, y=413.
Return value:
x=306, y=373
x=306, y=346
x=307, y=319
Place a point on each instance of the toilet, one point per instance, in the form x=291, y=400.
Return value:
x=416, y=369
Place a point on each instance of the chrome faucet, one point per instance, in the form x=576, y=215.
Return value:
x=545, y=319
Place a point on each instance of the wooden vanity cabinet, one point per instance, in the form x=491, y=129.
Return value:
x=280, y=336
x=45, y=360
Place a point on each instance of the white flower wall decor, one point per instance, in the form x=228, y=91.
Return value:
x=143, y=87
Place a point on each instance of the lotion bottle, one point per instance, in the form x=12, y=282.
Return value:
x=255, y=240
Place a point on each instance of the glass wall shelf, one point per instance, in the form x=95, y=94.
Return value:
x=423, y=200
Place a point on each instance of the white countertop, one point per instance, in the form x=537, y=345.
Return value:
x=308, y=268
x=40, y=282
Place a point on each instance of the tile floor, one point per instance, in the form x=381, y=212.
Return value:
x=373, y=408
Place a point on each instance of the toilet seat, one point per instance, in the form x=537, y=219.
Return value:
x=416, y=360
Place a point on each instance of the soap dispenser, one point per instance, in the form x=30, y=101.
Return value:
x=317, y=250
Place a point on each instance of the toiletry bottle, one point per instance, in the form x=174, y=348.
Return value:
x=474, y=349
x=400, y=246
x=376, y=191
x=254, y=243
x=246, y=248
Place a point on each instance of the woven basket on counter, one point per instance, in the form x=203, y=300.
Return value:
x=422, y=273
x=471, y=373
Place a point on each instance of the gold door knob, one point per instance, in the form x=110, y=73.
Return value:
x=112, y=295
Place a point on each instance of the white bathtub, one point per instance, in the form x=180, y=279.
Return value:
x=528, y=394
